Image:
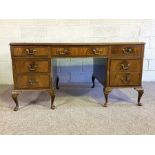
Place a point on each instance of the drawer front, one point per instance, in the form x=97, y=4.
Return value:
x=96, y=51
x=32, y=65
x=126, y=65
x=124, y=79
x=33, y=81
x=79, y=51
x=30, y=51
x=126, y=50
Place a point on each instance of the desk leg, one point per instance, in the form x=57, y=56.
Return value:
x=140, y=94
x=106, y=91
x=14, y=97
x=57, y=83
x=52, y=94
x=93, y=81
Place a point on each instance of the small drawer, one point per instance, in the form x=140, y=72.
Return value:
x=31, y=65
x=79, y=51
x=124, y=79
x=125, y=65
x=30, y=51
x=126, y=50
x=33, y=81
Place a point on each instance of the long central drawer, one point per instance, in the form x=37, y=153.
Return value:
x=67, y=51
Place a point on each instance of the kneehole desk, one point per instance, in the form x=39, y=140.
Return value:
x=116, y=65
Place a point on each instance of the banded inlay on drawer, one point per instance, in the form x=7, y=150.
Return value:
x=33, y=81
x=124, y=79
x=30, y=51
x=126, y=50
x=31, y=65
x=125, y=65
x=80, y=51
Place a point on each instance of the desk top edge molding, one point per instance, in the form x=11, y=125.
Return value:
x=76, y=44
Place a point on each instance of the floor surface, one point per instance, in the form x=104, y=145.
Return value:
x=79, y=110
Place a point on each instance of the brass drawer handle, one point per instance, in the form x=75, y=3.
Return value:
x=125, y=66
x=30, y=52
x=95, y=51
x=127, y=50
x=32, y=82
x=126, y=79
x=32, y=67
x=62, y=52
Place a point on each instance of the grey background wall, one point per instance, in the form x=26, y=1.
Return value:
x=76, y=70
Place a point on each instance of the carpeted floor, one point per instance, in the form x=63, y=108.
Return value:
x=79, y=111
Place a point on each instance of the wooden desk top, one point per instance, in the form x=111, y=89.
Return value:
x=77, y=44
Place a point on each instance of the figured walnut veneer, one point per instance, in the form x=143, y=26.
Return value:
x=116, y=65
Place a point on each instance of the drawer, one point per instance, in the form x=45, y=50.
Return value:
x=126, y=50
x=126, y=65
x=124, y=79
x=30, y=51
x=31, y=65
x=33, y=81
x=79, y=51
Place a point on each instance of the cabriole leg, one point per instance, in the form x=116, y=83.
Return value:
x=14, y=97
x=140, y=94
x=93, y=81
x=106, y=93
x=52, y=94
x=57, y=83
